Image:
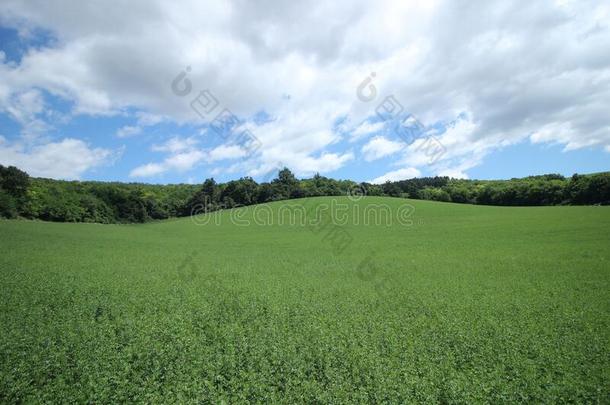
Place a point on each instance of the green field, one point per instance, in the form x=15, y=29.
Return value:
x=463, y=304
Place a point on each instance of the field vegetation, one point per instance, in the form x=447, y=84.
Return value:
x=460, y=304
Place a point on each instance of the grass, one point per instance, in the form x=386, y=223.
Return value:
x=467, y=304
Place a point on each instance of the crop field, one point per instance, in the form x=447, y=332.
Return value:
x=441, y=302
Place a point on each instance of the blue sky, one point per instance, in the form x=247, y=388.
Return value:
x=106, y=97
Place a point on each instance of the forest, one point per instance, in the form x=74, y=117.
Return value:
x=22, y=196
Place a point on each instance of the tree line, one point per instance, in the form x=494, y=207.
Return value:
x=114, y=202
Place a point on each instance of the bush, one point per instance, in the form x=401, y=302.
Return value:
x=434, y=194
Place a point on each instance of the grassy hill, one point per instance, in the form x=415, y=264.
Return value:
x=447, y=302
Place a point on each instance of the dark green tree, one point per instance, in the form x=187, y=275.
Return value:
x=14, y=181
x=285, y=184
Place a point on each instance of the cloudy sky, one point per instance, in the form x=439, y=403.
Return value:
x=159, y=91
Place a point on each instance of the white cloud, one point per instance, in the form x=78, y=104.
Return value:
x=176, y=144
x=366, y=128
x=400, y=174
x=185, y=160
x=224, y=152
x=184, y=155
x=453, y=173
x=65, y=159
x=326, y=162
x=181, y=162
x=453, y=152
x=146, y=119
x=148, y=170
x=27, y=108
x=128, y=130
x=536, y=70
x=380, y=147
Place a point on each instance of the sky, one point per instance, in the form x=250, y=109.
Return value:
x=177, y=92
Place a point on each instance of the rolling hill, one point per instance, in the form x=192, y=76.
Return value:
x=394, y=300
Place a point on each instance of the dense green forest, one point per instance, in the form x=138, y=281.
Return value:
x=90, y=201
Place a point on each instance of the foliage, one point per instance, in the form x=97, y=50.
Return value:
x=14, y=181
x=73, y=201
x=13, y=190
x=434, y=194
x=8, y=205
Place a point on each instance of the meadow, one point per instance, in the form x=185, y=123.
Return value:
x=458, y=304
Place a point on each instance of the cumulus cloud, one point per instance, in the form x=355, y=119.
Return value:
x=26, y=105
x=184, y=155
x=128, y=130
x=27, y=108
x=65, y=159
x=400, y=174
x=180, y=162
x=380, y=147
x=536, y=71
x=176, y=145
x=149, y=170
x=223, y=152
x=366, y=128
